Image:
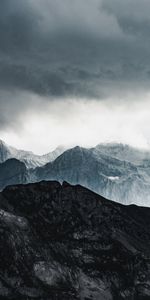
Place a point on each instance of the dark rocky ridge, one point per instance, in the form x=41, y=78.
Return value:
x=65, y=242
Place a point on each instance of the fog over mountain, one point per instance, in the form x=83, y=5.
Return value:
x=74, y=149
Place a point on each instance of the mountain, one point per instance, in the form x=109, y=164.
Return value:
x=113, y=178
x=30, y=159
x=123, y=152
x=111, y=170
x=65, y=242
x=13, y=171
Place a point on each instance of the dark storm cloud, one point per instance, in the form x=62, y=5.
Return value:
x=82, y=48
x=60, y=47
x=43, y=43
x=17, y=23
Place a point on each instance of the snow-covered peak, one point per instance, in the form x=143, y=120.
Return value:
x=30, y=159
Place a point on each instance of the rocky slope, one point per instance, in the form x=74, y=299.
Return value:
x=64, y=242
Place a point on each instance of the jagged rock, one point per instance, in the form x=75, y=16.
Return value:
x=65, y=242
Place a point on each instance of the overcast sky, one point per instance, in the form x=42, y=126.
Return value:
x=74, y=72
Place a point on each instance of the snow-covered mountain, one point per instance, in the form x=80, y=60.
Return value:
x=30, y=159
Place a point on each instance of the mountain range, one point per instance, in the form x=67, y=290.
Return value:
x=115, y=171
x=64, y=242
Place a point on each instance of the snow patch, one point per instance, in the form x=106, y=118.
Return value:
x=113, y=178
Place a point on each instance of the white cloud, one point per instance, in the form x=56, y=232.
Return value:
x=83, y=122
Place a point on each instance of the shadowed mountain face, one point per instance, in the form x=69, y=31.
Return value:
x=12, y=171
x=65, y=242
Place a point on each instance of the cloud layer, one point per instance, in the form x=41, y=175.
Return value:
x=72, y=47
x=52, y=51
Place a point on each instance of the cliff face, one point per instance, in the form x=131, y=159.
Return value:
x=66, y=242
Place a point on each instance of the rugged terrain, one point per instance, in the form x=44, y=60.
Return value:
x=65, y=242
x=118, y=172
x=116, y=179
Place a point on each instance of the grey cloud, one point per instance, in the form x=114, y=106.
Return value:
x=132, y=15
x=32, y=78
x=132, y=9
x=17, y=26
x=41, y=37
x=12, y=106
x=64, y=48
